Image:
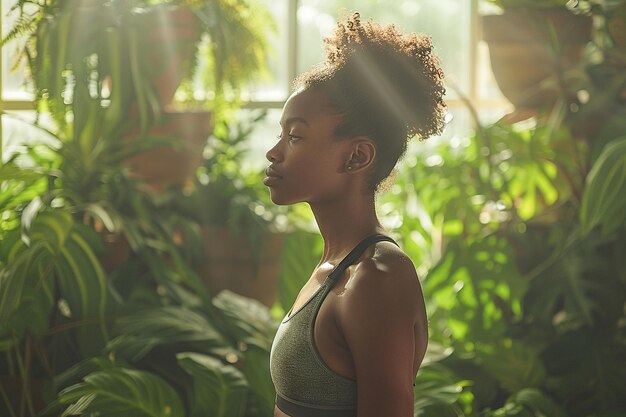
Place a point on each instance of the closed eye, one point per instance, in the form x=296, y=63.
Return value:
x=290, y=136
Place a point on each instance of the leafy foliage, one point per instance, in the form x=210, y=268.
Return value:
x=120, y=392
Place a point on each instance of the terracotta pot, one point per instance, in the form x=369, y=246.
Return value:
x=172, y=34
x=616, y=26
x=166, y=165
x=116, y=247
x=117, y=251
x=229, y=264
x=523, y=54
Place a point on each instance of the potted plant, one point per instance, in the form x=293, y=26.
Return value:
x=130, y=63
x=531, y=44
x=71, y=340
x=54, y=298
x=57, y=303
x=243, y=232
x=59, y=310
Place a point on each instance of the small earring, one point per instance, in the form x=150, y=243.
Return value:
x=349, y=167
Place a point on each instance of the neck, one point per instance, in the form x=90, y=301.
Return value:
x=344, y=223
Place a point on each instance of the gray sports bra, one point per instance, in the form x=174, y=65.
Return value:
x=305, y=385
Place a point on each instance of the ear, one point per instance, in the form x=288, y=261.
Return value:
x=361, y=156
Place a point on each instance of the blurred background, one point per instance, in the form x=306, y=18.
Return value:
x=143, y=269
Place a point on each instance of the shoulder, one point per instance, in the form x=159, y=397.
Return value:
x=383, y=283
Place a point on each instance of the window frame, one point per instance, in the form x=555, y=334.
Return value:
x=472, y=95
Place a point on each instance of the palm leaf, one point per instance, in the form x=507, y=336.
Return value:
x=140, y=332
x=121, y=393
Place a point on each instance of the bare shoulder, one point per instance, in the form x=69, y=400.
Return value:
x=386, y=282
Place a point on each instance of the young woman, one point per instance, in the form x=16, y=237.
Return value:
x=355, y=337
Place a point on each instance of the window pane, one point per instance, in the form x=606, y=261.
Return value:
x=317, y=18
x=13, y=77
x=274, y=87
x=262, y=138
x=486, y=83
x=17, y=130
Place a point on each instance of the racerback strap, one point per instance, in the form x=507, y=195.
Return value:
x=356, y=253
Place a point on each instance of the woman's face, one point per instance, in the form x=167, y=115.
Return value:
x=308, y=163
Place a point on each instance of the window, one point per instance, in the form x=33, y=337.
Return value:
x=301, y=24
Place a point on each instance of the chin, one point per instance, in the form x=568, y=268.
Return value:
x=281, y=199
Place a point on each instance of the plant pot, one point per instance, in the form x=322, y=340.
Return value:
x=166, y=165
x=528, y=46
x=230, y=264
x=116, y=248
x=172, y=35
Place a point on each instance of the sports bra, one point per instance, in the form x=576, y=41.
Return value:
x=305, y=385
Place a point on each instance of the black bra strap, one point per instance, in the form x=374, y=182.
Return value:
x=356, y=253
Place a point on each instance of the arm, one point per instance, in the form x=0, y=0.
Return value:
x=378, y=319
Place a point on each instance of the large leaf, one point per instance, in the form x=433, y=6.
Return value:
x=219, y=390
x=529, y=402
x=83, y=285
x=474, y=290
x=436, y=391
x=246, y=319
x=256, y=368
x=51, y=227
x=604, y=196
x=53, y=246
x=31, y=260
x=513, y=365
x=578, y=286
x=140, y=332
x=26, y=269
x=31, y=315
x=122, y=393
x=587, y=371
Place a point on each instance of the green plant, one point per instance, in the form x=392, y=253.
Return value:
x=233, y=51
x=518, y=235
x=226, y=194
x=188, y=361
x=58, y=306
x=231, y=194
x=526, y=278
x=54, y=296
x=88, y=56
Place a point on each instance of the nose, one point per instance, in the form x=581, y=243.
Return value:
x=274, y=154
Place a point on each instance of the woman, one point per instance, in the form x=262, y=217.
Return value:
x=356, y=335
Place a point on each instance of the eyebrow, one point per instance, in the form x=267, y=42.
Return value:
x=294, y=120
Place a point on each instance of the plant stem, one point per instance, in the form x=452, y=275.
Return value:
x=7, y=402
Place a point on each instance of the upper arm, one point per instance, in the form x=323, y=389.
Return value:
x=378, y=319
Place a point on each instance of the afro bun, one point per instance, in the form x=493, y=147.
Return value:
x=389, y=87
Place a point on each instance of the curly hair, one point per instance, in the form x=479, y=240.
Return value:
x=389, y=87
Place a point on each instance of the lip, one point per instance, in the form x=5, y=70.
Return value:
x=272, y=176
